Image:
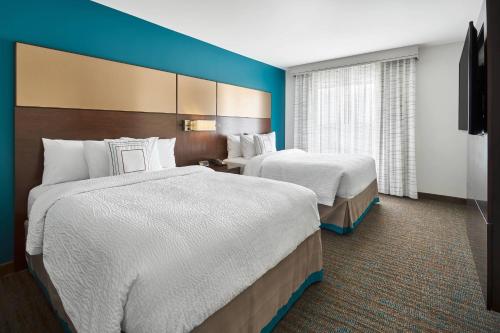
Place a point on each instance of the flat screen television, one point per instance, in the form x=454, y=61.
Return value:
x=470, y=115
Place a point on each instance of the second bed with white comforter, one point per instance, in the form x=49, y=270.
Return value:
x=162, y=251
x=328, y=175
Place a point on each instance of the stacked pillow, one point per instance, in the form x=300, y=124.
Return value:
x=247, y=145
x=250, y=145
x=233, y=146
x=264, y=143
x=70, y=160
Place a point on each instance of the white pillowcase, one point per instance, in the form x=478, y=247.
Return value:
x=155, y=157
x=97, y=159
x=233, y=146
x=247, y=145
x=166, y=153
x=132, y=155
x=64, y=161
x=264, y=143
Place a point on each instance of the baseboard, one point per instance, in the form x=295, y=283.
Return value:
x=445, y=198
x=7, y=268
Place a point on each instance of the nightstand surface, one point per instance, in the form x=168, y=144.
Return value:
x=224, y=168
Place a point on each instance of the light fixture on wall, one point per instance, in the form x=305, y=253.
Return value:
x=199, y=125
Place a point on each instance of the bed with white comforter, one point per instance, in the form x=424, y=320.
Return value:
x=328, y=175
x=162, y=251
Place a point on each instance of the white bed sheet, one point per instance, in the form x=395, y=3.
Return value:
x=36, y=192
x=162, y=251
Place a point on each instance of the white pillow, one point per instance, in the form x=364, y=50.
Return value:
x=233, y=146
x=155, y=157
x=166, y=153
x=130, y=155
x=64, y=161
x=96, y=158
x=264, y=143
x=247, y=145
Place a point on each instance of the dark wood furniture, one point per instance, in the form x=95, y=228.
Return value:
x=493, y=105
x=483, y=177
x=224, y=168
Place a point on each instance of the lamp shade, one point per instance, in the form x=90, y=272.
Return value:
x=199, y=125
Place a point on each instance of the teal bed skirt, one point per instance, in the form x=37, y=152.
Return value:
x=346, y=230
x=312, y=278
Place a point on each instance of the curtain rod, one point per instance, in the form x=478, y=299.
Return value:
x=410, y=56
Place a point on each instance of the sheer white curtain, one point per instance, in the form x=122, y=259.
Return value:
x=366, y=109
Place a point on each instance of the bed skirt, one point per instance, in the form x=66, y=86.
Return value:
x=346, y=214
x=259, y=308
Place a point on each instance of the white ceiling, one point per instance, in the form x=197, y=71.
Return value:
x=286, y=33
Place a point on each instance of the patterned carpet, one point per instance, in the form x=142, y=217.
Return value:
x=407, y=268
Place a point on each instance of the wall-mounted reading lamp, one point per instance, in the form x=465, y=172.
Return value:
x=199, y=125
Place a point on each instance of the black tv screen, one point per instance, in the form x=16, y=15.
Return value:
x=470, y=114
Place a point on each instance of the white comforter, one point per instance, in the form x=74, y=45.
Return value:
x=162, y=251
x=328, y=175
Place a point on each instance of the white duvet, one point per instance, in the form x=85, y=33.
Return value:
x=328, y=175
x=162, y=251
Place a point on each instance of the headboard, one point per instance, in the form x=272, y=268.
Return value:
x=70, y=96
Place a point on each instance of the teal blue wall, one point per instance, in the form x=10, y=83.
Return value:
x=88, y=28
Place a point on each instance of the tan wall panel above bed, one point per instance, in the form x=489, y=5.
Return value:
x=57, y=79
x=196, y=96
x=234, y=101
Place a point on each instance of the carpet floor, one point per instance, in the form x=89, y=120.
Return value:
x=406, y=268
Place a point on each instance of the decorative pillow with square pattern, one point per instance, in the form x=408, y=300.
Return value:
x=264, y=143
x=130, y=155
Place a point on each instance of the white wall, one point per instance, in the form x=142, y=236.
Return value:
x=441, y=147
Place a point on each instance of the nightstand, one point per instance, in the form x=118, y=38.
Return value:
x=224, y=168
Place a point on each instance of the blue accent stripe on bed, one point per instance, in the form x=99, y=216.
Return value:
x=346, y=230
x=312, y=278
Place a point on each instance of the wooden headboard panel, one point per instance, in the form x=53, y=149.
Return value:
x=37, y=117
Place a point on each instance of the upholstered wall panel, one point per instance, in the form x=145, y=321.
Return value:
x=57, y=79
x=196, y=96
x=234, y=101
x=238, y=125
